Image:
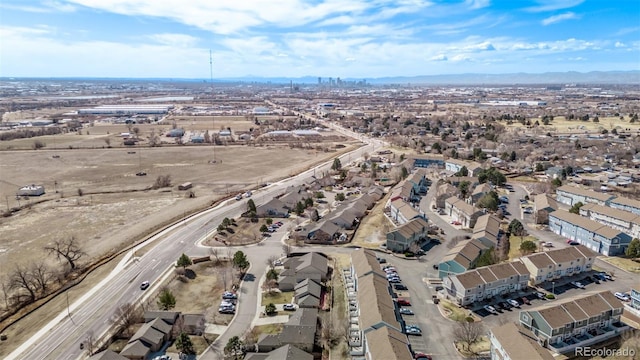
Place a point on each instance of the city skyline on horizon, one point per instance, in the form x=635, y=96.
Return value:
x=306, y=38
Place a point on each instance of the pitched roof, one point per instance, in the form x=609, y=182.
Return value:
x=584, y=192
x=551, y=257
x=135, y=349
x=389, y=344
x=465, y=252
x=488, y=274
x=487, y=223
x=463, y=206
x=288, y=352
x=620, y=200
x=611, y=212
x=364, y=262
x=409, y=229
x=107, y=355
x=585, y=223
x=517, y=345
x=376, y=305
x=148, y=334
x=579, y=309
x=308, y=286
x=168, y=316
x=160, y=325
x=544, y=201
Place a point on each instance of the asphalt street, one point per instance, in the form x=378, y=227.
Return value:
x=61, y=338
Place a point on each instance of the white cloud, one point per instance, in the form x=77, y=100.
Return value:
x=561, y=17
x=439, y=57
x=477, y=4
x=177, y=40
x=44, y=7
x=461, y=58
x=619, y=44
x=552, y=5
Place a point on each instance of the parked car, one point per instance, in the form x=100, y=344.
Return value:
x=528, y=210
x=621, y=296
x=491, y=309
x=439, y=287
x=548, y=244
x=403, y=302
x=400, y=287
x=239, y=197
x=394, y=280
x=413, y=331
x=505, y=305
x=382, y=260
x=577, y=284
x=144, y=285
x=421, y=356
x=541, y=295
x=513, y=302
x=289, y=307
x=226, y=310
x=228, y=295
x=405, y=311
x=525, y=300
x=600, y=277
x=607, y=276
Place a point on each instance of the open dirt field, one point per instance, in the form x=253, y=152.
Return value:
x=105, y=221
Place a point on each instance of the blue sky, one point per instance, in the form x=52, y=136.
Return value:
x=337, y=38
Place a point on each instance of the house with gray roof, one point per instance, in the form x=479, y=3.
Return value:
x=299, y=331
x=325, y=232
x=570, y=195
x=307, y=293
x=311, y=265
x=274, y=208
x=107, y=355
x=286, y=352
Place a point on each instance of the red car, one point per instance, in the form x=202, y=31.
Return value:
x=403, y=302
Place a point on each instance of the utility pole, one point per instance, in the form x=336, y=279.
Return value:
x=213, y=115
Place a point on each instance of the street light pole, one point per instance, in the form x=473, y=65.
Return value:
x=553, y=288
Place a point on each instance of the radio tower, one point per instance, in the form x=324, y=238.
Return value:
x=213, y=134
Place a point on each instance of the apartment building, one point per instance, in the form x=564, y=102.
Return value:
x=401, y=238
x=579, y=322
x=626, y=204
x=461, y=257
x=543, y=205
x=596, y=236
x=486, y=282
x=615, y=218
x=455, y=165
x=513, y=342
x=462, y=212
x=555, y=264
x=570, y=195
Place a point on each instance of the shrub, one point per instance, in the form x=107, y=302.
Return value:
x=550, y=296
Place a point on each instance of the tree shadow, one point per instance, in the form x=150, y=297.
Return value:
x=190, y=274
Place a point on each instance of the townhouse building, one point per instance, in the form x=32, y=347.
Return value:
x=543, y=205
x=570, y=195
x=402, y=212
x=626, y=204
x=597, y=237
x=555, y=264
x=486, y=282
x=513, y=342
x=401, y=238
x=615, y=218
x=488, y=231
x=427, y=160
x=455, y=165
x=461, y=257
x=576, y=323
x=462, y=212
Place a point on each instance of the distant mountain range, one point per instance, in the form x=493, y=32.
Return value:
x=631, y=77
x=570, y=77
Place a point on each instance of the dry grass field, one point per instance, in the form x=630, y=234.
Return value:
x=561, y=125
x=106, y=217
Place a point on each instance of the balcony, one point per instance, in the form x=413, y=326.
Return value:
x=592, y=336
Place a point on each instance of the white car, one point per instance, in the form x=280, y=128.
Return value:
x=289, y=307
x=490, y=309
x=577, y=284
x=513, y=302
x=548, y=244
x=621, y=296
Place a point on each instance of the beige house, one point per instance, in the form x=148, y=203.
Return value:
x=555, y=264
x=462, y=212
x=543, y=204
x=513, y=342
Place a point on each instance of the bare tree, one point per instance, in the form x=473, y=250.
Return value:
x=215, y=252
x=41, y=275
x=269, y=285
x=287, y=249
x=5, y=286
x=67, y=249
x=22, y=279
x=271, y=261
x=90, y=342
x=136, y=130
x=468, y=332
x=126, y=315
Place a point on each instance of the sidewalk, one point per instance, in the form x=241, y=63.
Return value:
x=278, y=319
